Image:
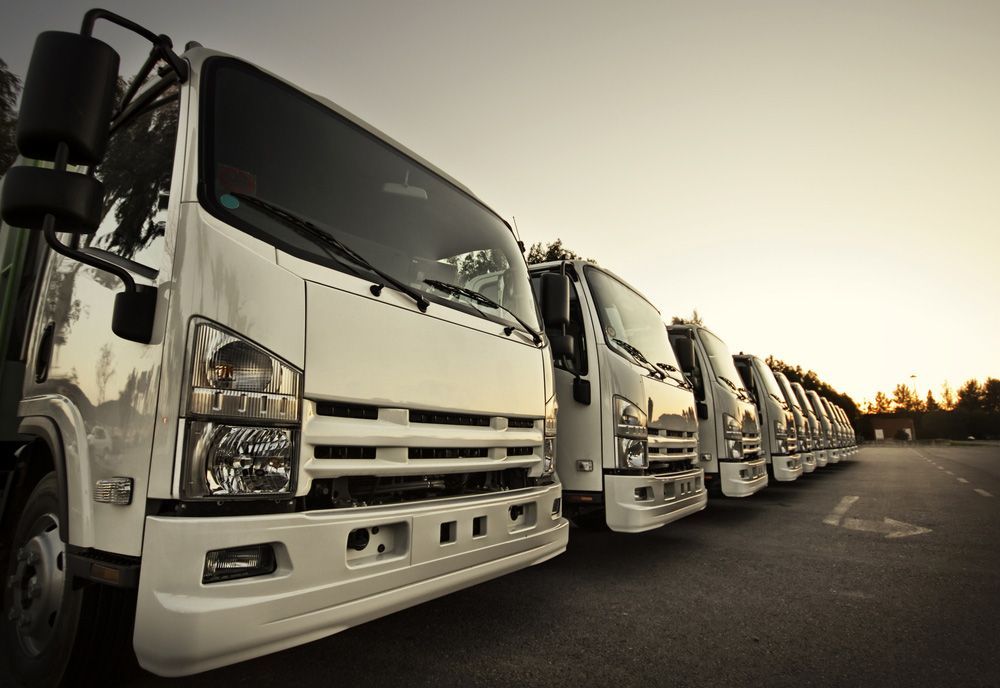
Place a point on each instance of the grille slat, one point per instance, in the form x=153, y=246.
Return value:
x=331, y=408
x=448, y=452
x=343, y=452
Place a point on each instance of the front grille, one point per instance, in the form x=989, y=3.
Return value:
x=343, y=452
x=679, y=433
x=520, y=423
x=440, y=418
x=332, y=408
x=520, y=451
x=448, y=452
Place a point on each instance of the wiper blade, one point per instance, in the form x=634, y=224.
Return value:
x=330, y=243
x=484, y=300
x=640, y=359
x=680, y=380
x=741, y=392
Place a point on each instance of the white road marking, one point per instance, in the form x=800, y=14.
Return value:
x=940, y=468
x=963, y=480
x=982, y=492
x=889, y=527
x=838, y=512
x=949, y=473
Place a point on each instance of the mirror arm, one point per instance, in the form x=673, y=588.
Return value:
x=162, y=45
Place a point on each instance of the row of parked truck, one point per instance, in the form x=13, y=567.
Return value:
x=267, y=374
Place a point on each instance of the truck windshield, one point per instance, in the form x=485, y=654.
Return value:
x=790, y=397
x=770, y=383
x=627, y=316
x=720, y=358
x=264, y=139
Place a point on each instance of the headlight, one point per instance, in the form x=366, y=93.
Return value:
x=630, y=420
x=239, y=461
x=732, y=429
x=549, y=458
x=780, y=429
x=632, y=453
x=551, y=412
x=232, y=378
x=241, y=435
x=734, y=448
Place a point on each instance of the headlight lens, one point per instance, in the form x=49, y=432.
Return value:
x=233, y=378
x=551, y=412
x=237, y=460
x=630, y=420
x=735, y=448
x=632, y=453
x=731, y=427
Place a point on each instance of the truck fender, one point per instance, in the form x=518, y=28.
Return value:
x=44, y=430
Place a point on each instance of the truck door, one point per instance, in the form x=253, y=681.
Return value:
x=110, y=384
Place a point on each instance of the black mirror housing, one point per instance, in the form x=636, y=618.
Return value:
x=555, y=299
x=684, y=350
x=134, y=312
x=69, y=92
x=31, y=193
x=563, y=345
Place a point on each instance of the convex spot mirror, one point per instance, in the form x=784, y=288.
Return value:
x=684, y=350
x=563, y=345
x=31, y=193
x=555, y=299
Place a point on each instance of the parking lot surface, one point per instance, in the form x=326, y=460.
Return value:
x=882, y=570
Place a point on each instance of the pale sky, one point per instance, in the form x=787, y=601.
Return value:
x=821, y=180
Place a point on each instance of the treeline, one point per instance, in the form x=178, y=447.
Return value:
x=972, y=411
x=810, y=380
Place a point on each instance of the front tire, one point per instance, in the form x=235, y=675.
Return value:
x=52, y=631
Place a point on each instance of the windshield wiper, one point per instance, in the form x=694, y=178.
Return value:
x=680, y=380
x=741, y=392
x=330, y=243
x=484, y=300
x=640, y=359
x=778, y=399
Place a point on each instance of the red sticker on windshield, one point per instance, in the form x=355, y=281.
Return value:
x=229, y=179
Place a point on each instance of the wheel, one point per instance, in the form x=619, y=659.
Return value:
x=50, y=632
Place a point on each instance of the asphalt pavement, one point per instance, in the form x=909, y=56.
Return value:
x=882, y=570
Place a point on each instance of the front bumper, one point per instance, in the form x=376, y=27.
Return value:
x=786, y=467
x=633, y=504
x=808, y=462
x=821, y=457
x=321, y=586
x=835, y=456
x=742, y=478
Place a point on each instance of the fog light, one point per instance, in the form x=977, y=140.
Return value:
x=238, y=562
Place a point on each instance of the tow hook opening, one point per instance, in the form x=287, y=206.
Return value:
x=358, y=539
x=516, y=511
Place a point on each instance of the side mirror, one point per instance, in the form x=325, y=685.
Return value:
x=68, y=95
x=31, y=193
x=563, y=345
x=684, y=350
x=581, y=391
x=702, y=408
x=555, y=300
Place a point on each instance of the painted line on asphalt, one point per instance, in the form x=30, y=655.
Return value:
x=984, y=493
x=949, y=473
x=963, y=480
x=837, y=515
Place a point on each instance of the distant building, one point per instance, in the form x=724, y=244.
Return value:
x=889, y=428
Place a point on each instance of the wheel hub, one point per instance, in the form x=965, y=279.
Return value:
x=37, y=584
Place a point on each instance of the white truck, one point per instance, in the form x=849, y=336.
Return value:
x=779, y=437
x=827, y=427
x=802, y=427
x=820, y=442
x=728, y=429
x=628, y=436
x=249, y=397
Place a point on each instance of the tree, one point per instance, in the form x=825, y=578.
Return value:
x=905, y=399
x=947, y=397
x=542, y=253
x=882, y=403
x=970, y=397
x=10, y=87
x=931, y=404
x=990, y=395
x=695, y=319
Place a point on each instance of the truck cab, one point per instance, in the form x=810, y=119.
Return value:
x=779, y=438
x=729, y=435
x=628, y=434
x=819, y=440
x=827, y=428
x=252, y=395
x=802, y=430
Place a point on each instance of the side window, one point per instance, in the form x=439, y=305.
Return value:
x=137, y=175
